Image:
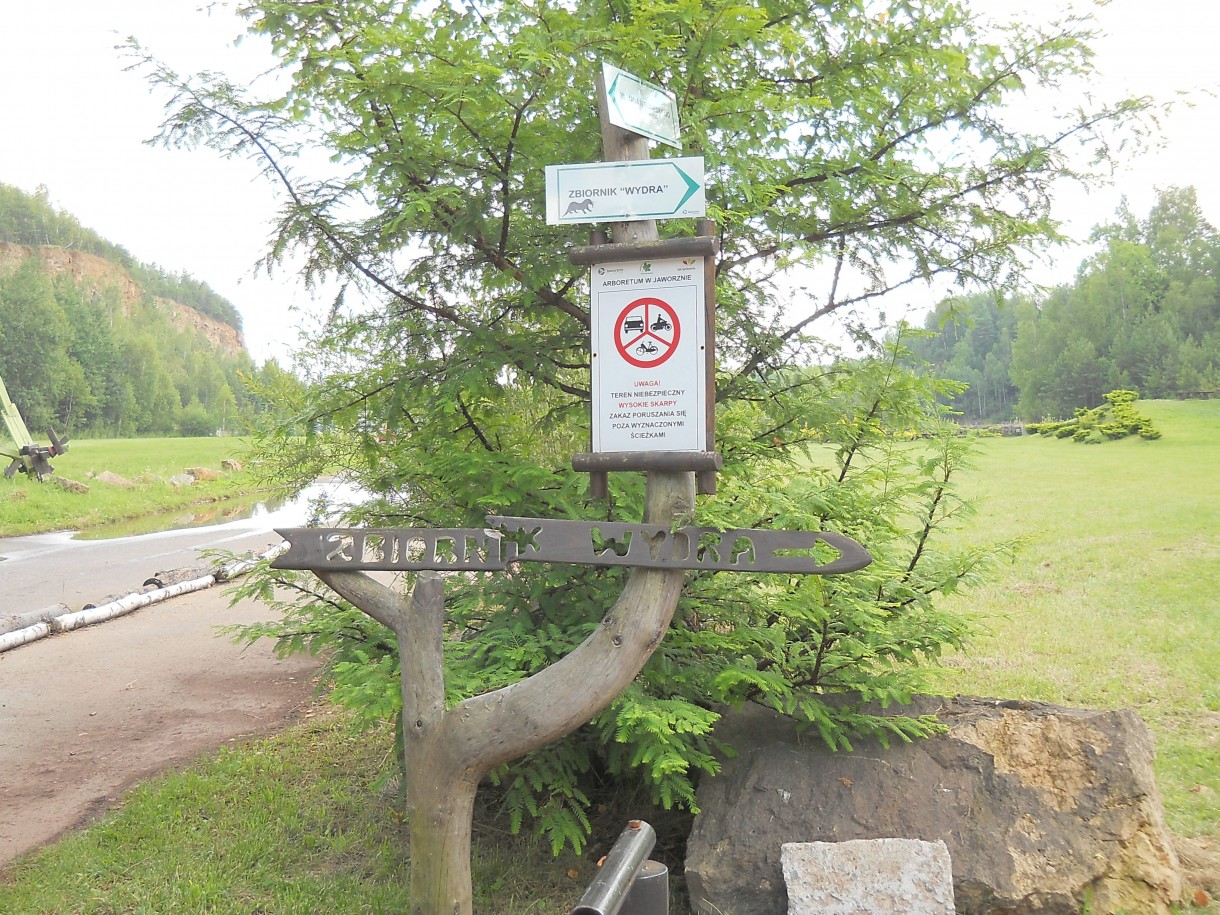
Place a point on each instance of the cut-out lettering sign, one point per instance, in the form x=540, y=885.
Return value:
x=508, y=540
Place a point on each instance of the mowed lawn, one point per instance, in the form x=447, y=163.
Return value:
x=28, y=507
x=1114, y=602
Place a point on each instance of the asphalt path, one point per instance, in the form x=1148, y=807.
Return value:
x=44, y=570
x=87, y=713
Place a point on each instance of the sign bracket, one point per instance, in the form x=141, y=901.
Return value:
x=606, y=461
x=606, y=253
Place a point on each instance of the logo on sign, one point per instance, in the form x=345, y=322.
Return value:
x=647, y=332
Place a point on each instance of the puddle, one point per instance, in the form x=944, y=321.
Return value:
x=257, y=512
x=223, y=512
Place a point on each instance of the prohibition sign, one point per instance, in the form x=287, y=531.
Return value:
x=647, y=332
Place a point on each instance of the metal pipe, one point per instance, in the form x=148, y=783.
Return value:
x=649, y=893
x=609, y=889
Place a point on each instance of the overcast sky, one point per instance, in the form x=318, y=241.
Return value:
x=71, y=119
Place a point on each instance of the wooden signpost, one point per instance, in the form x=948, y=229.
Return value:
x=653, y=325
x=653, y=357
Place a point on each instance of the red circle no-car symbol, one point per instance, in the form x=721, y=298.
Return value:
x=646, y=332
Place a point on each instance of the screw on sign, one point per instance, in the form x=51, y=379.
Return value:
x=648, y=332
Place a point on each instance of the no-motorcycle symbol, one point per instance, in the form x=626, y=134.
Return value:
x=647, y=332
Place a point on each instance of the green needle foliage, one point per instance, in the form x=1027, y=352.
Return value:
x=815, y=648
x=870, y=150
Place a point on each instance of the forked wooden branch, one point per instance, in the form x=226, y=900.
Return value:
x=449, y=751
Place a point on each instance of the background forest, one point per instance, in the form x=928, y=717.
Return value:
x=85, y=360
x=1143, y=314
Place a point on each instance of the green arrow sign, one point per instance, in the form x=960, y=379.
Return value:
x=625, y=191
x=640, y=106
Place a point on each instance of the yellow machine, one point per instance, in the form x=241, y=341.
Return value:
x=31, y=458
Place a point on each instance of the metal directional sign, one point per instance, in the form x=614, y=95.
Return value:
x=509, y=540
x=640, y=106
x=625, y=191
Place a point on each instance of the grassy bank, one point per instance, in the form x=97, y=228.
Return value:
x=1111, y=604
x=296, y=824
x=29, y=507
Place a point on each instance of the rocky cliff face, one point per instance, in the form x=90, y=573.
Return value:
x=94, y=273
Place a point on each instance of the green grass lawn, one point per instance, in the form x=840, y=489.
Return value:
x=28, y=507
x=1115, y=600
x=298, y=824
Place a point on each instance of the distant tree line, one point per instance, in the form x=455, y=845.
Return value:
x=78, y=360
x=1143, y=314
x=30, y=219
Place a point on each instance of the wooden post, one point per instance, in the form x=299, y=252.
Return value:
x=640, y=239
x=599, y=480
x=620, y=145
x=705, y=484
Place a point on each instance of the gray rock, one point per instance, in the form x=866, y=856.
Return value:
x=868, y=877
x=1041, y=807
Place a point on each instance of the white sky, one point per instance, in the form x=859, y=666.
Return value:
x=72, y=120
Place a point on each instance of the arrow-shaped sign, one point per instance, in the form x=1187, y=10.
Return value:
x=640, y=106
x=625, y=191
x=509, y=540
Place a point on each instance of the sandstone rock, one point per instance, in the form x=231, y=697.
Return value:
x=229, y=465
x=70, y=485
x=97, y=274
x=1041, y=807
x=868, y=877
x=114, y=480
x=204, y=474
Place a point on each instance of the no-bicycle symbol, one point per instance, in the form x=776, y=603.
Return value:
x=648, y=331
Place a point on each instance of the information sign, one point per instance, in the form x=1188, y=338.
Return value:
x=648, y=355
x=625, y=191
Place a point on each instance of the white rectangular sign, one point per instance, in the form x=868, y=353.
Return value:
x=649, y=352
x=625, y=191
x=640, y=106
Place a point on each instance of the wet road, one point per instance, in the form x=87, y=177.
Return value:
x=43, y=570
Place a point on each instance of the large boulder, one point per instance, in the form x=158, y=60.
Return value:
x=1044, y=809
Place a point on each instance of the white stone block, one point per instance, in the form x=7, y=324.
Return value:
x=868, y=877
